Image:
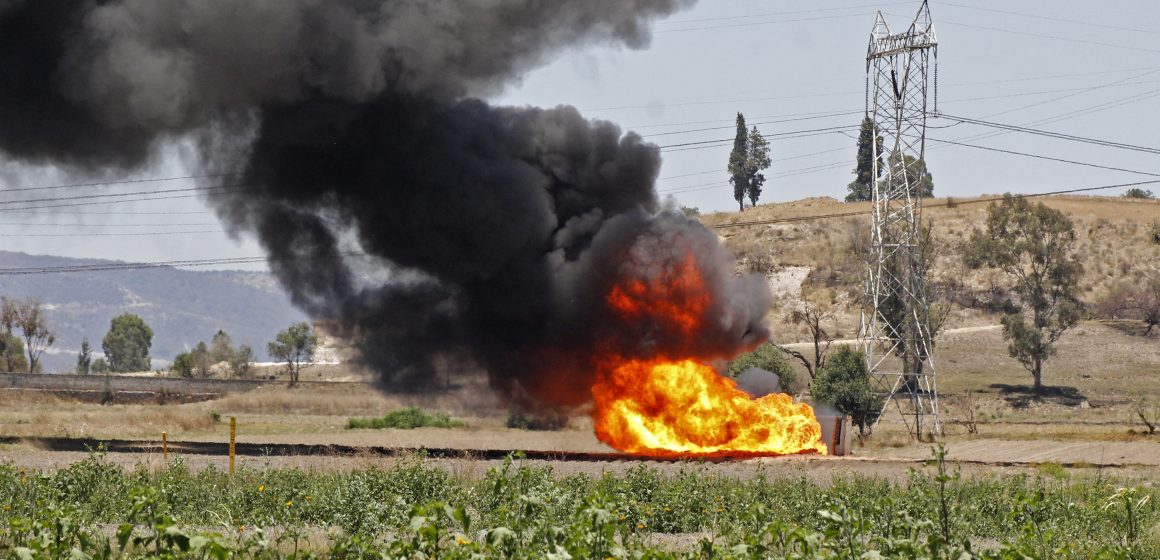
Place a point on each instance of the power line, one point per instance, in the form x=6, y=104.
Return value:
x=785, y=13
x=119, y=182
x=757, y=23
x=775, y=135
x=108, y=266
x=1043, y=36
x=128, y=234
x=112, y=195
x=936, y=205
x=111, y=266
x=1049, y=18
x=59, y=225
x=89, y=213
x=78, y=204
x=1048, y=158
x=755, y=123
x=1057, y=135
x=249, y=260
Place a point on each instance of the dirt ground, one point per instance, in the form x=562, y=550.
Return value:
x=1086, y=420
x=894, y=466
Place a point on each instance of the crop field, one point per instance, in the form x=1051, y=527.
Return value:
x=414, y=509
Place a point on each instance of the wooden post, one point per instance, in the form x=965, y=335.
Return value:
x=233, y=438
x=165, y=447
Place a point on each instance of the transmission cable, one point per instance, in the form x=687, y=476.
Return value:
x=1058, y=135
x=935, y=205
x=119, y=182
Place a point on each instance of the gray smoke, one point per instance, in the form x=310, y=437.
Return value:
x=757, y=382
x=433, y=224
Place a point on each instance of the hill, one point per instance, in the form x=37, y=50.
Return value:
x=181, y=306
x=820, y=258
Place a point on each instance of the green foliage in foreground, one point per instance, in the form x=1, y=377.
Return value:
x=93, y=509
x=405, y=419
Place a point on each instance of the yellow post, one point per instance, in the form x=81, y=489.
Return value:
x=164, y=447
x=233, y=437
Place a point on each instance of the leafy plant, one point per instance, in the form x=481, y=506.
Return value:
x=405, y=419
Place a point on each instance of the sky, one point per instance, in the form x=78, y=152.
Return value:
x=1089, y=69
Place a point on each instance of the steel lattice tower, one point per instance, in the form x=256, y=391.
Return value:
x=895, y=323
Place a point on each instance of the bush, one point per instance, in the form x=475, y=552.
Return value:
x=183, y=365
x=1154, y=232
x=844, y=382
x=1137, y=192
x=769, y=358
x=521, y=419
x=405, y=419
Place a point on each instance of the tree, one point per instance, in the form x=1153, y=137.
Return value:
x=85, y=358
x=769, y=358
x=202, y=360
x=12, y=359
x=242, y=361
x=739, y=163
x=1137, y=301
x=8, y=322
x=861, y=189
x=183, y=365
x=127, y=344
x=100, y=366
x=814, y=317
x=29, y=317
x=756, y=162
x=1034, y=245
x=295, y=346
x=918, y=174
x=221, y=348
x=1137, y=192
x=844, y=382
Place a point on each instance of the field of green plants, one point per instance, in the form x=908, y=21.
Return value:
x=416, y=509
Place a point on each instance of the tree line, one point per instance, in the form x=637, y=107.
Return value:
x=25, y=336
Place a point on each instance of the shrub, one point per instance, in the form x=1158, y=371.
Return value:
x=844, y=382
x=1154, y=232
x=1137, y=192
x=405, y=419
x=521, y=419
x=183, y=365
x=769, y=358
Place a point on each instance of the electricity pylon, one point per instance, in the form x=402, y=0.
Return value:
x=895, y=324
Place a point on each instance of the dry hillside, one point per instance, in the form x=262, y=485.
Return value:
x=819, y=258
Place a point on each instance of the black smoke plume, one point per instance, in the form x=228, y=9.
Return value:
x=435, y=226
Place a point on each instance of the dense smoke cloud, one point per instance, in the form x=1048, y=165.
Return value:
x=432, y=224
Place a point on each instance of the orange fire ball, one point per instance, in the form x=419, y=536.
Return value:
x=685, y=408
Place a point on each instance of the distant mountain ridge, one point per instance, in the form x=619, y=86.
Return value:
x=181, y=306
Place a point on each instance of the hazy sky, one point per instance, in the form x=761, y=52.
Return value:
x=1083, y=68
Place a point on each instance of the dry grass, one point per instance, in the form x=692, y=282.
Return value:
x=282, y=400
x=274, y=409
x=32, y=414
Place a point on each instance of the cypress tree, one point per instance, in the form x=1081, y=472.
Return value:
x=757, y=162
x=861, y=189
x=739, y=163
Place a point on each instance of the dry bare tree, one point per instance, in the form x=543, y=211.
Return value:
x=1134, y=301
x=814, y=317
x=30, y=318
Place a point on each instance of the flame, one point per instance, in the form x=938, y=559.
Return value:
x=682, y=407
x=686, y=408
